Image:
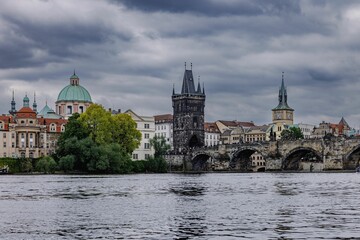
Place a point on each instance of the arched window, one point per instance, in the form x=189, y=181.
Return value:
x=53, y=127
x=1, y=125
x=62, y=128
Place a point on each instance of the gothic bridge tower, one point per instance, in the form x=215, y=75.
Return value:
x=188, y=108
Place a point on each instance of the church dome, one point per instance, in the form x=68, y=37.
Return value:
x=74, y=92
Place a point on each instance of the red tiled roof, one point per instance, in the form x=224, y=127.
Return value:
x=211, y=127
x=26, y=112
x=237, y=124
x=163, y=118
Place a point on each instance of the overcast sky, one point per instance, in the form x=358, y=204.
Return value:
x=129, y=53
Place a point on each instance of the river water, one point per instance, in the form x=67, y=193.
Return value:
x=177, y=206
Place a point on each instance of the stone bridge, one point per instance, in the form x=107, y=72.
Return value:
x=299, y=155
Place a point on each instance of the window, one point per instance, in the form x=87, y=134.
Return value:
x=147, y=156
x=12, y=144
x=4, y=144
x=147, y=145
x=69, y=110
x=13, y=135
x=135, y=156
x=1, y=125
x=4, y=154
x=81, y=109
x=147, y=136
x=63, y=128
x=53, y=127
x=147, y=125
x=4, y=135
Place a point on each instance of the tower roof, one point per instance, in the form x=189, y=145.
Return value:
x=283, y=97
x=188, y=82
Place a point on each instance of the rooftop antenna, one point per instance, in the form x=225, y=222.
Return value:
x=191, y=65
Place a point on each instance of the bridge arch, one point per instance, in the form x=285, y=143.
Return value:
x=241, y=161
x=352, y=159
x=301, y=158
x=200, y=162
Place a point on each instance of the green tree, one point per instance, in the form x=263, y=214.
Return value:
x=160, y=146
x=293, y=133
x=156, y=165
x=124, y=132
x=74, y=131
x=46, y=165
x=102, y=145
x=98, y=122
x=67, y=163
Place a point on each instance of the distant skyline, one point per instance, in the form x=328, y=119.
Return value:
x=129, y=53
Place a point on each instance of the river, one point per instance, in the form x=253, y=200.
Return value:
x=181, y=206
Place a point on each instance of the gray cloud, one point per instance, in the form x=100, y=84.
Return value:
x=215, y=8
x=128, y=54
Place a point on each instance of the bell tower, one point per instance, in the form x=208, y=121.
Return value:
x=188, y=109
x=283, y=113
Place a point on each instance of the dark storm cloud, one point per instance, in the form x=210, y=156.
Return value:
x=215, y=8
x=58, y=41
x=129, y=53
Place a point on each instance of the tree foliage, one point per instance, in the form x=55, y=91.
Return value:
x=46, y=165
x=293, y=133
x=124, y=132
x=98, y=142
x=160, y=146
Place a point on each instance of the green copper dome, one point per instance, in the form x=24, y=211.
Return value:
x=74, y=93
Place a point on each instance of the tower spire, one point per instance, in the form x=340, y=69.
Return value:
x=198, y=87
x=173, y=88
x=13, y=104
x=35, y=104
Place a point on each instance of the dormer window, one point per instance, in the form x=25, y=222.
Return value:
x=53, y=127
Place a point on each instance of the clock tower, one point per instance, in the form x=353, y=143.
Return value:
x=283, y=114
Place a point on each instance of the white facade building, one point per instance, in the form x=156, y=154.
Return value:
x=306, y=129
x=212, y=134
x=146, y=125
x=164, y=127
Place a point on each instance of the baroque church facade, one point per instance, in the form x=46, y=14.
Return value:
x=27, y=133
x=188, y=114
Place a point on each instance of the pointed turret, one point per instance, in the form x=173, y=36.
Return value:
x=173, y=89
x=344, y=123
x=283, y=114
x=283, y=96
x=13, y=104
x=35, y=104
x=199, y=87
